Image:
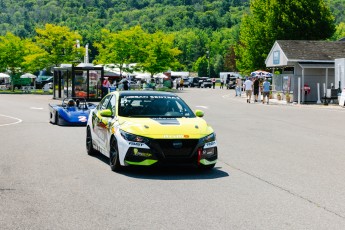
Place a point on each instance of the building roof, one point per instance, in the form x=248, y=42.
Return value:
x=312, y=50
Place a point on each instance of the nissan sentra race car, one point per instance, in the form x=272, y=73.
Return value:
x=72, y=111
x=149, y=128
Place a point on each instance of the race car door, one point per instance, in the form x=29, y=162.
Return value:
x=104, y=122
x=100, y=122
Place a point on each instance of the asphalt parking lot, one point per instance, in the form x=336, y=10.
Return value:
x=280, y=167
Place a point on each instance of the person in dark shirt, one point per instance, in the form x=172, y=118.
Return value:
x=125, y=85
x=256, y=86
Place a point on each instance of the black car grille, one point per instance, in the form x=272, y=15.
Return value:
x=175, y=148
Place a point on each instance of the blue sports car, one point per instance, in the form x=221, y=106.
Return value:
x=72, y=111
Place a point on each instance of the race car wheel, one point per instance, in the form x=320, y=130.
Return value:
x=57, y=119
x=89, y=147
x=114, y=156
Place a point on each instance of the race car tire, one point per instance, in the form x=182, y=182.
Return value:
x=56, y=120
x=206, y=167
x=89, y=147
x=114, y=161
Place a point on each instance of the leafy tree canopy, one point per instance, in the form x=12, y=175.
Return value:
x=196, y=25
x=271, y=20
x=11, y=55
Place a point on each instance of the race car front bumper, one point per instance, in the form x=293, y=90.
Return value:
x=173, y=151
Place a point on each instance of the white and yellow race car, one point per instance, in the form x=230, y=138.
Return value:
x=149, y=128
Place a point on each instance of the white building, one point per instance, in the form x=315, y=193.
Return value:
x=313, y=62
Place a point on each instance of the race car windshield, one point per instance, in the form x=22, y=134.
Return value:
x=153, y=106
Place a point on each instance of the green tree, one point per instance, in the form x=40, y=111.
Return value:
x=339, y=32
x=59, y=44
x=121, y=48
x=299, y=20
x=192, y=44
x=34, y=57
x=160, y=55
x=271, y=20
x=201, y=66
x=11, y=55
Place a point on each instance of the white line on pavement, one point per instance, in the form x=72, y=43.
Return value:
x=13, y=123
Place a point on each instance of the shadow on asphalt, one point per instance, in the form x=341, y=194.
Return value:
x=168, y=172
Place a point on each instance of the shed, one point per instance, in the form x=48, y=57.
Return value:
x=311, y=61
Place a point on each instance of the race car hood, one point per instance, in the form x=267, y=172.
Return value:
x=171, y=128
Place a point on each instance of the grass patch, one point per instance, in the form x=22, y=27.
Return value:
x=37, y=91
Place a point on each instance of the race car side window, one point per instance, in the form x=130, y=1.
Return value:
x=111, y=105
x=104, y=103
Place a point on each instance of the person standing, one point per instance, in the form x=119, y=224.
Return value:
x=221, y=83
x=266, y=91
x=213, y=82
x=125, y=84
x=227, y=82
x=238, y=86
x=105, y=86
x=248, y=86
x=256, y=89
x=181, y=83
x=112, y=87
x=177, y=81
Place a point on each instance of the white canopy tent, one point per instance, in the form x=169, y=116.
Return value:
x=31, y=76
x=4, y=75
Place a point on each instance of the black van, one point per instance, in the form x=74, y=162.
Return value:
x=193, y=81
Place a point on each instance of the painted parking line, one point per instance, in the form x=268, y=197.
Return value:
x=12, y=123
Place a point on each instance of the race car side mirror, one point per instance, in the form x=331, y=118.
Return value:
x=199, y=113
x=106, y=113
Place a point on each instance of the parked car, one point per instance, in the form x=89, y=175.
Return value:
x=193, y=81
x=40, y=84
x=205, y=82
x=230, y=82
x=147, y=128
x=185, y=82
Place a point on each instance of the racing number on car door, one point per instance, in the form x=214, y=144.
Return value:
x=104, y=124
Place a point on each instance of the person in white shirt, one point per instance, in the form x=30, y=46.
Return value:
x=248, y=85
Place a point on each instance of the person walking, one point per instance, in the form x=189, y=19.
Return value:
x=266, y=91
x=213, y=82
x=181, y=83
x=248, y=86
x=238, y=86
x=256, y=87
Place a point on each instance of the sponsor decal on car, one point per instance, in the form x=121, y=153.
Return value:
x=137, y=145
x=82, y=118
x=210, y=144
x=136, y=152
x=167, y=121
x=174, y=136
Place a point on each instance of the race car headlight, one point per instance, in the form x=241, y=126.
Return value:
x=209, y=138
x=133, y=137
